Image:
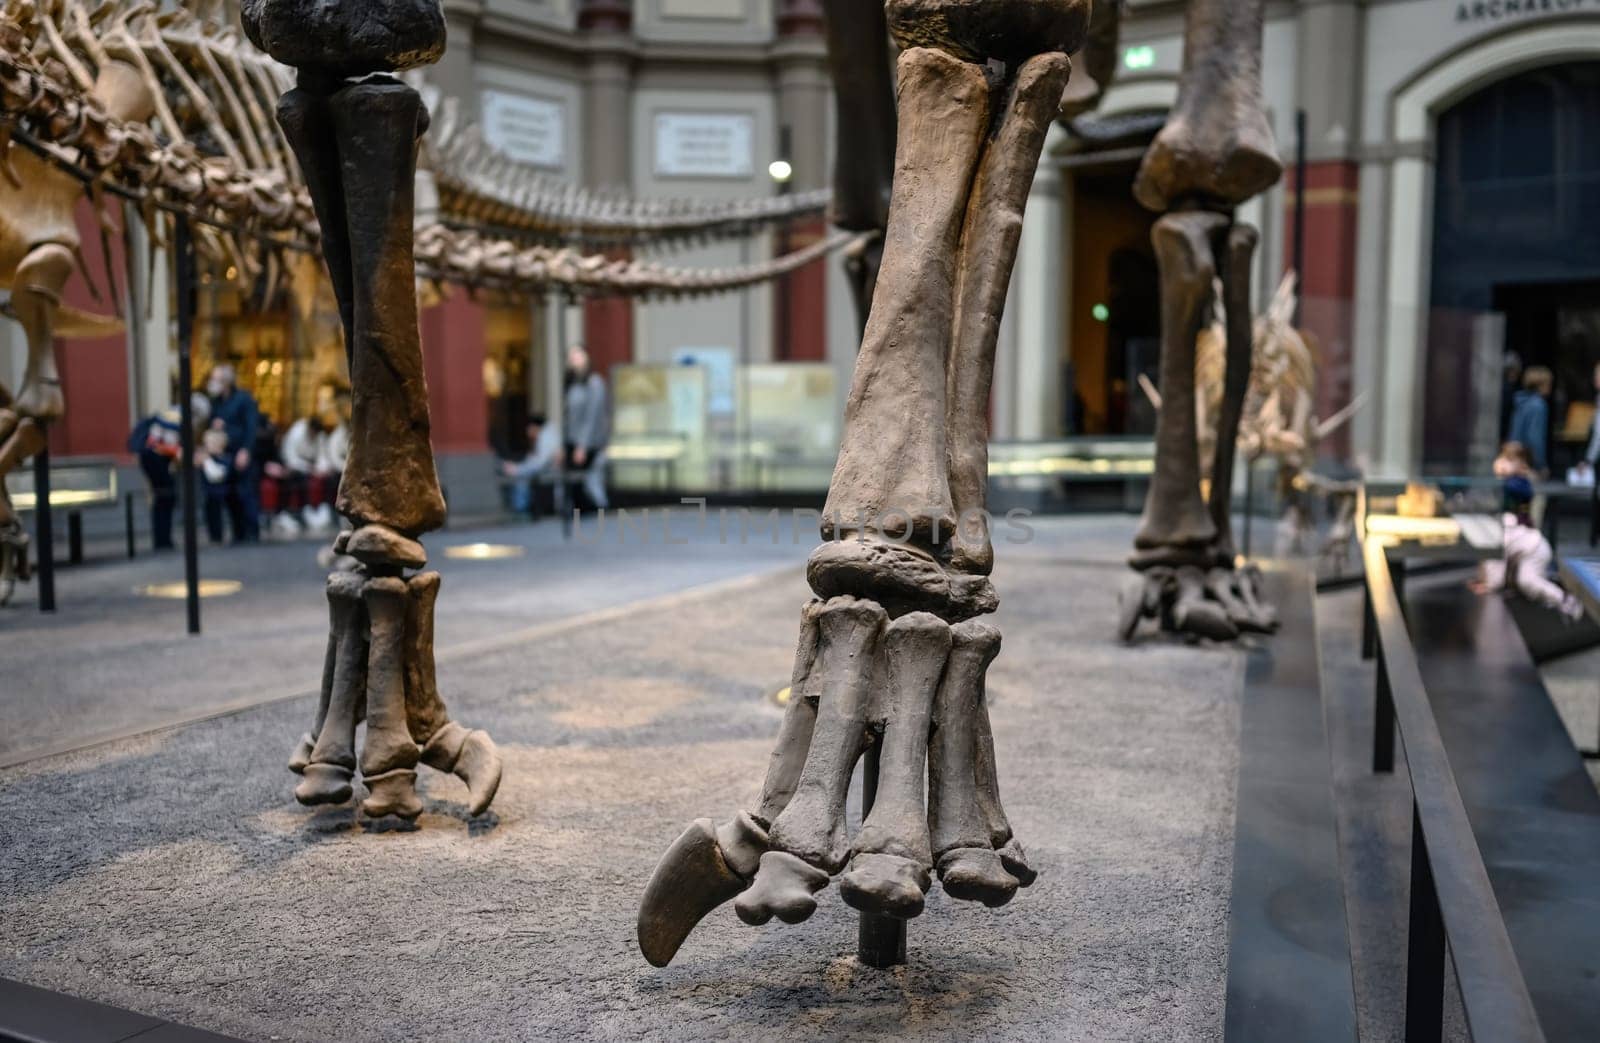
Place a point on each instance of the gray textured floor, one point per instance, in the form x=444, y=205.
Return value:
x=173, y=874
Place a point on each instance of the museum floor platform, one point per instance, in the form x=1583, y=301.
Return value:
x=171, y=872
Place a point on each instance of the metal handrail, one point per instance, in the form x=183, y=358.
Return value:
x=1451, y=897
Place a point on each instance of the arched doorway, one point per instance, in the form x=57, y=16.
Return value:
x=1515, y=259
x=1113, y=315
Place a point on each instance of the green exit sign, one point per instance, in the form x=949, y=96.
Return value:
x=1143, y=57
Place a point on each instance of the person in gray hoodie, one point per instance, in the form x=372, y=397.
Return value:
x=586, y=423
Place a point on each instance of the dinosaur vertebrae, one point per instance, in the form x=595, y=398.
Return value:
x=479, y=183
x=453, y=254
x=131, y=155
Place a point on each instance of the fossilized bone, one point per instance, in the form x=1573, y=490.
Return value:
x=356, y=136
x=891, y=659
x=1279, y=419
x=1215, y=151
x=480, y=185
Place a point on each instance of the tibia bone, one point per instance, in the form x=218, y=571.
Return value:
x=892, y=455
x=705, y=867
x=812, y=825
x=892, y=855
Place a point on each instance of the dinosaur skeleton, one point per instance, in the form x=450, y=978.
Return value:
x=892, y=657
x=171, y=109
x=1276, y=418
x=1215, y=152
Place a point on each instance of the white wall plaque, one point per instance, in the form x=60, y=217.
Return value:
x=704, y=144
x=720, y=9
x=528, y=129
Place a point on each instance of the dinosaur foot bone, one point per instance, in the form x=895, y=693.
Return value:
x=909, y=693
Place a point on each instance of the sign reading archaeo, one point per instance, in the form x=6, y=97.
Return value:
x=704, y=144
x=1502, y=10
x=528, y=129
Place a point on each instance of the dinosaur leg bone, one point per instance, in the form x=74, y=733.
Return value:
x=988, y=251
x=892, y=457
x=891, y=857
x=446, y=745
x=389, y=757
x=964, y=824
x=333, y=759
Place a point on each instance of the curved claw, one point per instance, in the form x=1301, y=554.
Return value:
x=783, y=887
x=693, y=878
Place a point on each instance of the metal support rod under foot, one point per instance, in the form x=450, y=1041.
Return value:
x=880, y=940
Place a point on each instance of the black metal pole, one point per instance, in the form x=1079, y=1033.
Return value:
x=1425, y=944
x=127, y=524
x=44, y=543
x=184, y=247
x=1299, y=208
x=880, y=940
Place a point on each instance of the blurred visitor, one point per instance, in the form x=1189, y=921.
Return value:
x=588, y=427
x=310, y=464
x=1512, y=462
x=1525, y=566
x=1510, y=384
x=235, y=410
x=1530, y=416
x=543, y=459
x=157, y=442
x=215, y=465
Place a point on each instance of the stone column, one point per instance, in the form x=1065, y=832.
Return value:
x=607, y=30
x=801, y=74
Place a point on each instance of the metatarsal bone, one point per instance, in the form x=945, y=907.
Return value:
x=389, y=758
x=811, y=826
x=892, y=456
x=892, y=854
x=425, y=711
x=988, y=253
x=333, y=759
x=799, y=720
x=955, y=816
